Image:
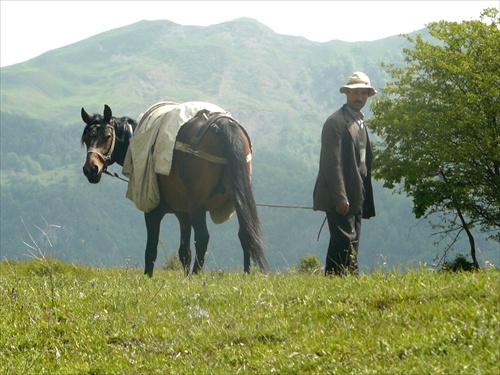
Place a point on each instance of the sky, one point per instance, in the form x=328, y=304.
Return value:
x=31, y=28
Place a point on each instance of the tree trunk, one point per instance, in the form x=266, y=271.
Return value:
x=472, y=243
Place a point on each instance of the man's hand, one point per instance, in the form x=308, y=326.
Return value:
x=343, y=208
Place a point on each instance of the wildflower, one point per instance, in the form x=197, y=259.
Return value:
x=199, y=313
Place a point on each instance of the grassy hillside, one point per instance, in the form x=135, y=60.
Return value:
x=67, y=319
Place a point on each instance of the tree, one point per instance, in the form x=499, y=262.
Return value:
x=438, y=121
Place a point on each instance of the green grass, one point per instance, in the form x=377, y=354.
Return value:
x=59, y=318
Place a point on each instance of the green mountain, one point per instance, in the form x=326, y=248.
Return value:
x=281, y=88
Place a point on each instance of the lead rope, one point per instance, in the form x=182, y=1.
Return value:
x=321, y=228
x=114, y=175
x=303, y=207
x=257, y=204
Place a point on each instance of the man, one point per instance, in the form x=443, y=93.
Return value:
x=343, y=187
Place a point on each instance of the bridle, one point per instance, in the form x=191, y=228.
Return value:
x=107, y=157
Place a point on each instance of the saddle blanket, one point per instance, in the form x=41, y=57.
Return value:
x=152, y=148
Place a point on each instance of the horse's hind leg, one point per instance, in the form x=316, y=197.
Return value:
x=185, y=244
x=153, y=220
x=201, y=237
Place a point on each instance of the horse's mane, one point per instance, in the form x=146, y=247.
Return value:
x=120, y=123
x=125, y=119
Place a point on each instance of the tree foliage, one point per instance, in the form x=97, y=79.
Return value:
x=439, y=125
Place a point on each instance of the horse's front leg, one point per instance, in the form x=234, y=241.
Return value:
x=185, y=244
x=153, y=220
x=201, y=237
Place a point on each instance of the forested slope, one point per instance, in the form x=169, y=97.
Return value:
x=281, y=88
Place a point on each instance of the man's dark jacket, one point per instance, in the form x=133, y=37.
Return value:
x=339, y=178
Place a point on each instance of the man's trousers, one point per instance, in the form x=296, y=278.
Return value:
x=342, y=255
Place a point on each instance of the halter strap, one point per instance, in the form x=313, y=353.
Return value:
x=105, y=158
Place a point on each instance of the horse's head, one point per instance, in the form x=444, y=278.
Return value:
x=106, y=139
x=99, y=138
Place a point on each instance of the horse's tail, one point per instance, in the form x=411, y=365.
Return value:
x=250, y=232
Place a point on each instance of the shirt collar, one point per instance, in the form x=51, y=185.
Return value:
x=353, y=113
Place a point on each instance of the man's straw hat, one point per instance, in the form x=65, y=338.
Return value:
x=358, y=80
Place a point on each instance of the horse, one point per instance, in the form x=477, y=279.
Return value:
x=217, y=173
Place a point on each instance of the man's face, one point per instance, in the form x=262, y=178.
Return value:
x=356, y=98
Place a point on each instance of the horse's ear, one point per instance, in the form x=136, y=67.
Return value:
x=107, y=114
x=85, y=116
